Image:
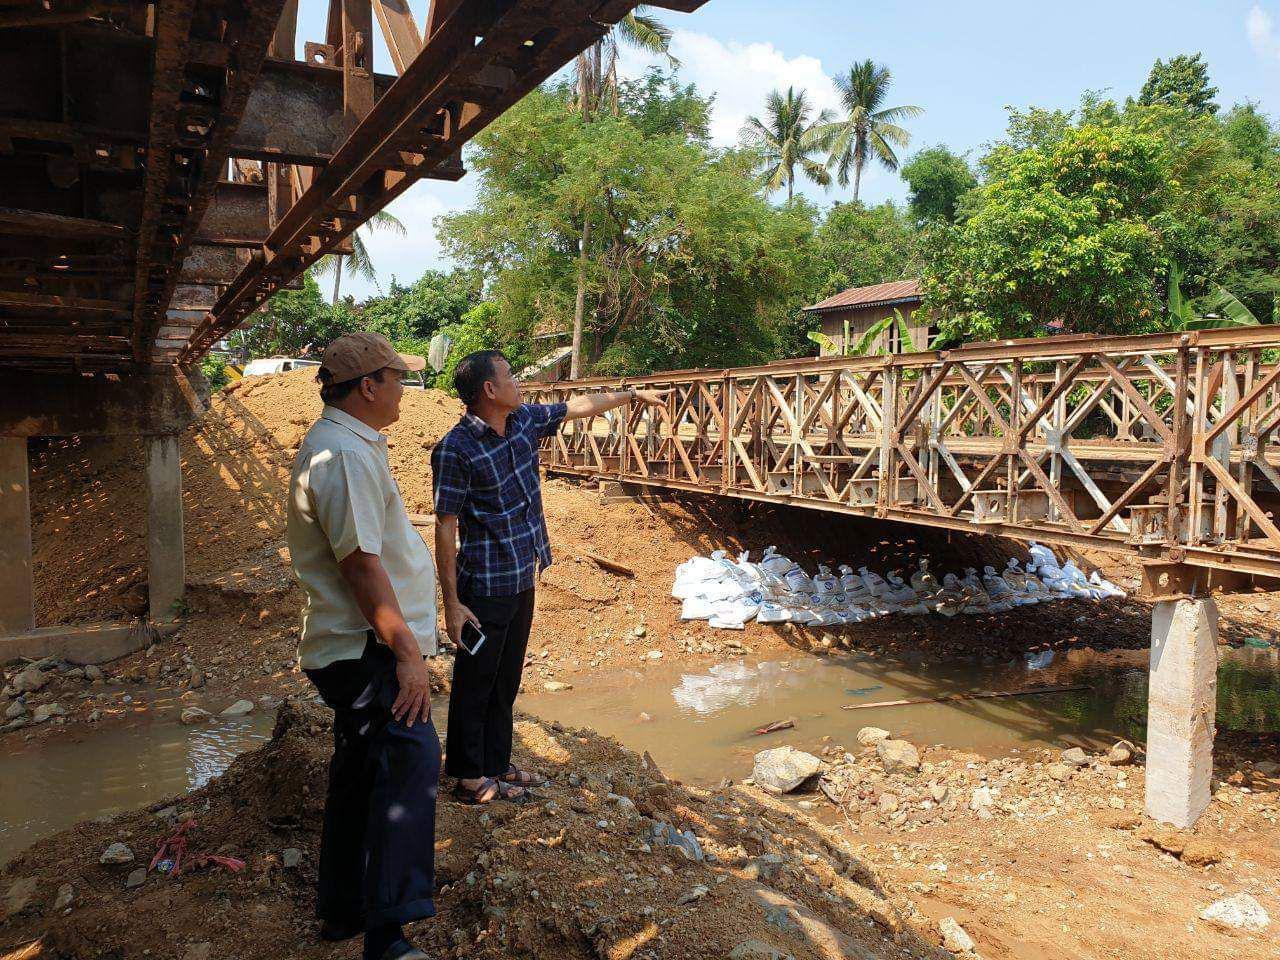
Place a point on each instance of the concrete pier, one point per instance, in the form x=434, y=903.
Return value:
x=17, y=596
x=1181, y=709
x=167, y=570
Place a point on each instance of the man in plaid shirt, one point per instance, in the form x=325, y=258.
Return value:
x=491, y=544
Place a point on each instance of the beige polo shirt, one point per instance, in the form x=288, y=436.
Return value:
x=342, y=497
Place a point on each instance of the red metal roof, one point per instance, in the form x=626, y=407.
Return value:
x=892, y=292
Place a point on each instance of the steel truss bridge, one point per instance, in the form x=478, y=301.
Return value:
x=1163, y=447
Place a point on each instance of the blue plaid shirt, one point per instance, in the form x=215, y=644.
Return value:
x=491, y=484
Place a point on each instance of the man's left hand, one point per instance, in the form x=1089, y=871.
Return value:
x=655, y=398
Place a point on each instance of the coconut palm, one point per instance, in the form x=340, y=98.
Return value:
x=597, y=66
x=786, y=139
x=869, y=129
x=597, y=81
x=358, y=263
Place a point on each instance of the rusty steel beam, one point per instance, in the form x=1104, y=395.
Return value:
x=193, y=120
x=420, y=122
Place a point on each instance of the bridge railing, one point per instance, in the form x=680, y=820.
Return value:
x=1163, y=445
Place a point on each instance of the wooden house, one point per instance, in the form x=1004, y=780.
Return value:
x=847, y=315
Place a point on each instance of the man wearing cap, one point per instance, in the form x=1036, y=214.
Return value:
x=491, y=543
x=368, y=620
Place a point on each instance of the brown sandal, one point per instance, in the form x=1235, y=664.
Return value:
x=522, y=778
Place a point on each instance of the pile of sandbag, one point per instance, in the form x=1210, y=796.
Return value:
x=728, y=593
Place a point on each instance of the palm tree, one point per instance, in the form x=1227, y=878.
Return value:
x=786, y=138
x=597, y=78
x=869, y=129
x=358, y=262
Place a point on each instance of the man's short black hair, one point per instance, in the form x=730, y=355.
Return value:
x=331, y=392
x=474, y=370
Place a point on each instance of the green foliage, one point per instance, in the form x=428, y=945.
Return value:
x=483, y=328
x=1183, y=83
x=1250, y=135
x=938, y=179
x=855, y=246
x=294, y=319
x=1219, y=308
x=435, y=300
x=214, y=368
x=1079, y=213
x=687, y=263
x=1074, y=233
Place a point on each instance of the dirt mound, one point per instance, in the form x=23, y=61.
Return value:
x=577, y=874
x=90, y=513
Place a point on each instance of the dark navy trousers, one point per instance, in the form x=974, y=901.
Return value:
x=482, y=698
x=377, y=851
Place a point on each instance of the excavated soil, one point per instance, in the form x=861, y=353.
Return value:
x=1084, y=875
x=576, y=874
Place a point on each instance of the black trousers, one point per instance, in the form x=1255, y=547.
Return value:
x=377, y=851
x=485, y=687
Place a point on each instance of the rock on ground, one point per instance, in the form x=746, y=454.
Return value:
x=870, y=736
x=30, y=680
x=1241, y=912
x=117, y=853
x=898, y=755
x=238, y=709
x=1120, y=753
x=194, y=715
x=19, y=894
x=782, y=769
x=1075, y=756
x=954, y=937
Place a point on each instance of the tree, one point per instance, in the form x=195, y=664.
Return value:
x=694, y=266
x=1250, y=134
x=869, y=129
x=786, y=138
x=358, y=262
x=855, y=246
x=416, y=312
x=938, y=178
x=597, y=73
x=1078, y=234
x=293, y=320
x=1183, y=82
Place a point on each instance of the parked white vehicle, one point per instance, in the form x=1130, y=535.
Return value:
x=270, y=365
x=273, y=365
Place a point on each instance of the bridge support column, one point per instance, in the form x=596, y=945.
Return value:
x=1181, y=709
x=17, y=595
x=167, y=566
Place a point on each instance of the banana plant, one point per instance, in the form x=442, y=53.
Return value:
x=864, y=345
x=1218, y=308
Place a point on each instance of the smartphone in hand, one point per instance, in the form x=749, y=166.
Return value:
x=472, y=638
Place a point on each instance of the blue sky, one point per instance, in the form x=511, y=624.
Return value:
x=963, y=63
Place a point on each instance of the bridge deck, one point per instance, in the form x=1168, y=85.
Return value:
x=1162, y=447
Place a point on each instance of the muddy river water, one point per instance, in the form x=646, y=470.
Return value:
x=697, y=723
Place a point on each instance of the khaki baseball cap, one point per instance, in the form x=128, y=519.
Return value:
x=360, y=354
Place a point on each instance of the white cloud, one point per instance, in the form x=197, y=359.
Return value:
x=741, y=76
x=1260, y=28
